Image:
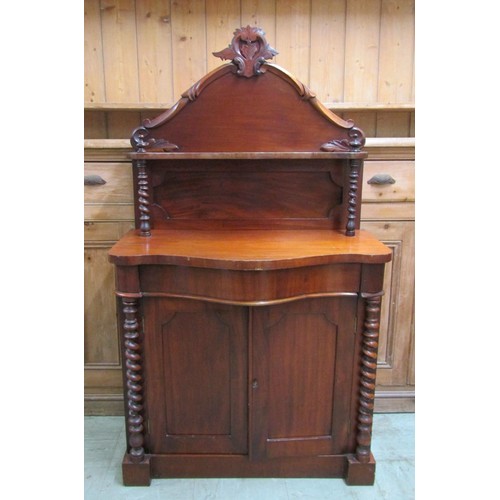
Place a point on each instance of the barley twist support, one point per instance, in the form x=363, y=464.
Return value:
x=368, y=375
x=353, y=197
x=143, y=198
x=133, y=380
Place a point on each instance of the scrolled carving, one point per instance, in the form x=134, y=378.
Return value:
x=355, y=142
x=142, y=142
x=192, y=92
x=335, y=146
x=133, y=374
x=371, y=328
x=357, y=138
x=307, y=93
x=248, y=51
x=139, y=139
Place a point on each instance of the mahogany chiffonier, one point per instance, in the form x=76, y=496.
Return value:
x=249, y=297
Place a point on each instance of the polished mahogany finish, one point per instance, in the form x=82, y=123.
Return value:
x=235, y=192
x=248, y=249
x=250, y=298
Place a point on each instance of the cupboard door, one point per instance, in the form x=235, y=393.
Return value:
x=102, y=361
x=302, y=385
x=196, y=360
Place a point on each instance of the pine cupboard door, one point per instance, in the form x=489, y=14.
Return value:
x=196, y=370
x=302, y=378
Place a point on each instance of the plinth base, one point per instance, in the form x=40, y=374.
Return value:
x=360, y=474
x=136, y=473
x=192, y=466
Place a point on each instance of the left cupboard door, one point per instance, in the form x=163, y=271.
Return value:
x=195, y=361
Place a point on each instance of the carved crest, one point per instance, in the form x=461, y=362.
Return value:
x=248, y=51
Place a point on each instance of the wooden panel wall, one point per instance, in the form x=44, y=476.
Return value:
x=150, y=51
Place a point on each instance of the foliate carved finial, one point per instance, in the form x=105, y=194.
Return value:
x=248, y=51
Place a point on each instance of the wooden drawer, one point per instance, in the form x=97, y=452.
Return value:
x=105, y=231
x=102, y=360
x=248, y=287
x=118, y=187
x=112, y=199
x=388, y=211
x=401, y=190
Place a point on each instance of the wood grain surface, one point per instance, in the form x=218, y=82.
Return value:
x=249, y=249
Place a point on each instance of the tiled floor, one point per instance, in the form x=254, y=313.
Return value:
x=393, y=448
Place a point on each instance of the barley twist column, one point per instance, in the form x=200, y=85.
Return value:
x=143, y=198
x=368, y=374
x=353, y=197
x=133, y=380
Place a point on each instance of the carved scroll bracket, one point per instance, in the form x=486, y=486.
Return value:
x=142, y=142
x=355, y=142
x=248, y=51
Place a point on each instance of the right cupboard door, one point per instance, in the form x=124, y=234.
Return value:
x=304, y=378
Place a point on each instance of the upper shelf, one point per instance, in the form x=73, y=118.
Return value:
x=371, y=142
x=248, y=155
x=378, y=148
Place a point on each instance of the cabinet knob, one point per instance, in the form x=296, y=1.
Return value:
x=255, y=384
x=382, y=179
x=93, y=180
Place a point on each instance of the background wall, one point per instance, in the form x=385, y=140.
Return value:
x=356, y=55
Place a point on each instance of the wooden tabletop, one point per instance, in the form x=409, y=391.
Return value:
x=248, y=249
